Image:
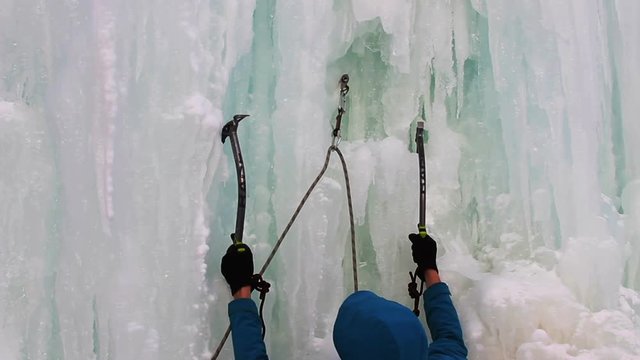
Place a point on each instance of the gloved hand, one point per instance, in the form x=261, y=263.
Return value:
x=423, y=250
x=237, y=266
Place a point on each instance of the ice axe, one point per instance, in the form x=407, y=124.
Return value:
x=230, y=130
x=422, y=226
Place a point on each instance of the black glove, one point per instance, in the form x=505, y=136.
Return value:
x=423, y=250
x=237, y=266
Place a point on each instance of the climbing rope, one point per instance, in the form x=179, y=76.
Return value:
x=257, y=283
x=414, y=293
x=331, y=149
x=304, y=201
x=261, y=284
x=354, y=258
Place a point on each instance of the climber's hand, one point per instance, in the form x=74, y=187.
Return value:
x=237, y=266
x=423, y=250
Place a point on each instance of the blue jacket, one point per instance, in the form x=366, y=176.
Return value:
x=369, y=327
x=246, y=331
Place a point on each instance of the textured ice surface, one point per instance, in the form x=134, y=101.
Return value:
x=117, y=197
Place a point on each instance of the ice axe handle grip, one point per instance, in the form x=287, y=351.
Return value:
x=422, y=230
x=234, y=240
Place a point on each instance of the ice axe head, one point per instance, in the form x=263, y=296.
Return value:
x=231, y=126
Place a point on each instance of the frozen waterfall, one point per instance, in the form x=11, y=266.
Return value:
x=117, y=197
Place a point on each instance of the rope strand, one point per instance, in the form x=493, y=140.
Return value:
x=288, y=227
x=222, y=342
x=354, y=258
x=295, y=214
x=414, y=293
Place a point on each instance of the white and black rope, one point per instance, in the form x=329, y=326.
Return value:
x=293, y=219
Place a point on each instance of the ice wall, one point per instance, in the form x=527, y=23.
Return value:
x=117, y=197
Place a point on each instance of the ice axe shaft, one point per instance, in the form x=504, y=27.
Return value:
x=422, y=227
x=230, y=130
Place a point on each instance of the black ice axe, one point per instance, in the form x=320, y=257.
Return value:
x=230, y=130
x=422, y=226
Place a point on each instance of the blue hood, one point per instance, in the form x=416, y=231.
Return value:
x=370, y=327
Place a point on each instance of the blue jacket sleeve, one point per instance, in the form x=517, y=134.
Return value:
x=444, y=324
x=246, y=331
